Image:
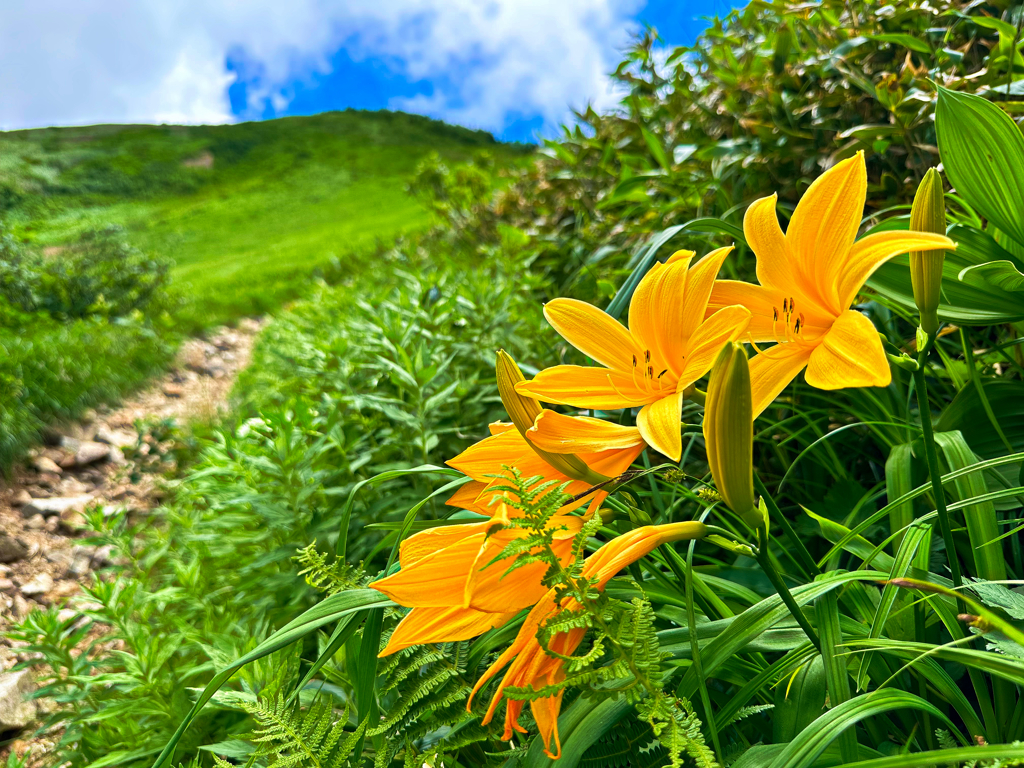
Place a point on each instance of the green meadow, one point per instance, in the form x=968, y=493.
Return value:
x=247, y=213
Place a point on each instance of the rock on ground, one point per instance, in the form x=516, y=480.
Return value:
x=16, y=711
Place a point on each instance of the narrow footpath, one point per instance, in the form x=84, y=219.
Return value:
x=93, y=464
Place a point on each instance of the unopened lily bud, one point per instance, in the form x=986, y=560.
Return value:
x=524, y=412
x=729, y=432
x=928, y=214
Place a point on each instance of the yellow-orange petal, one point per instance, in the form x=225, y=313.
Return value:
x=583, y=387
x=870, y=252
x=773, y=369
x=849, y=355
x=491, y=587
x=824, y=226
x=760, y=301
x=468, y=497
x=593, y=332
x=699, y=283
x=660, y=427
x=489, y=455
x=441, y=625
x=657, y=313
x=764, y=236
x=557, y=433
x=728, y=324
x=632, y=545
x=424, y=543
x=437, y=579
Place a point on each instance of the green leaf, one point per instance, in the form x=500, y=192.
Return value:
x=799, y=700
x=907, y=41
x=328, y=611
x=982, y=151
x=1003, y=275
x=944, y=756
x=755, y=620
x=982, y=521
x=898, y=481
x=963, y=303
x=657, y=151
x=805, y=748
x=579, y=726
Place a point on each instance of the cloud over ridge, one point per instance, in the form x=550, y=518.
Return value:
x=489, y=61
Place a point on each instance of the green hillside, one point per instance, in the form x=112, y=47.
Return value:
x=210, y=223
x=246, y=212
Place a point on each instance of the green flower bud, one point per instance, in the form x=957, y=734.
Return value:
x=729, y=432
x=928, y=214
x=524, y=412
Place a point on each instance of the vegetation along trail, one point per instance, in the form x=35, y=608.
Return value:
x=107, y=464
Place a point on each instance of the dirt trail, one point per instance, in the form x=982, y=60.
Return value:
x=43, y=557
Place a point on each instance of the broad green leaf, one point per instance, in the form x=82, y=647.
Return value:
x=898, y=481
x=579, y=726
x=805, y=748
x=657, y=150
x=981, y=518
x=755, y=620
x=1003, y=275
x=964, y=303
x=982, y=151
x=837, y=680
x=907, y=41
x=944, y=756
x=799, y=700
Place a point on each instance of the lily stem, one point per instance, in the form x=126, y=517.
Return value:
x=934, y=470
x=765, y=561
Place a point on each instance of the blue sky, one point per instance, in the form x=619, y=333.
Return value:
x=513, y=67
x=376, y=82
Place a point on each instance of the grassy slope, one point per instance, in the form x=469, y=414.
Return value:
x=281, y=199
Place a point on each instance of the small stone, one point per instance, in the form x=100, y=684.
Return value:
x=39, y=584
x=46, y=464
x=173, y=390
x=69, y=443
x=16, y=709
x=6, y=585
x=89, y=452
x=55, y=505
x=21, y=498
x=81, y=559
x=21, y=606
x=71, y=520
x=116, y=456
x=112, y=437
x=36, y=523
x=11, y=550
x=72, y=486
x=66, y=614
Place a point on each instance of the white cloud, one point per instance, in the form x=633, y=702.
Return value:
x=87, y=61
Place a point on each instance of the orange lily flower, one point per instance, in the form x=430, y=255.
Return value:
x=669, y=345
x=808, y=278
x=450, y=578
x=606, y=449
x=532, y=667
x=541, y=443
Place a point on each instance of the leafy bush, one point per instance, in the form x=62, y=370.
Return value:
x=102, y=275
